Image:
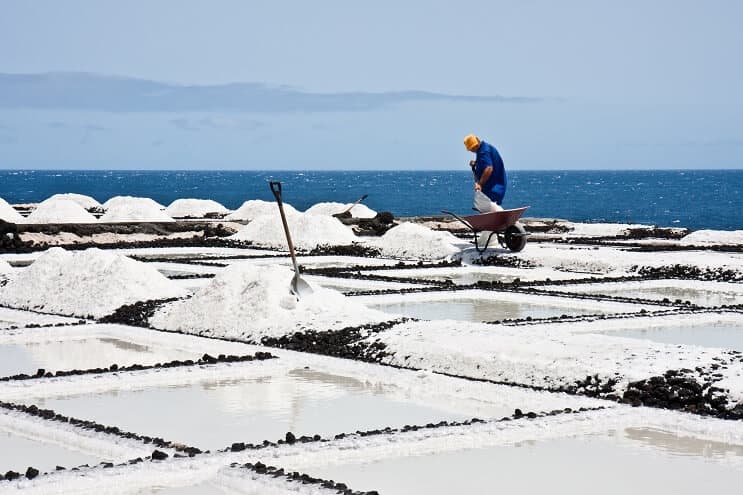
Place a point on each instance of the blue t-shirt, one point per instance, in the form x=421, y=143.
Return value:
x=488, y=156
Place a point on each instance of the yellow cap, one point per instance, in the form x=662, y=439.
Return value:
x=471, y=142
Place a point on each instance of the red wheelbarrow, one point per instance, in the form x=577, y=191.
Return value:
x=503, y=224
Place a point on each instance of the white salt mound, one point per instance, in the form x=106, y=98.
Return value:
x=129, y=200
x=254, y=208
x=358, y=211
x=85, y=201
x=8, y=213
x=194, y=208
x=60, y=211
x=135, y=210
x=248, y=301
x=307, y=231
x=409, y=240
x=85, y=283
x=713, y=237
x=5, y=267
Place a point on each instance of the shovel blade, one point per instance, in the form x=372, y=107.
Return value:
x=299, y=287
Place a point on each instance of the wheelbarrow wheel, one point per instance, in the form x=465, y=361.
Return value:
x=515, y=237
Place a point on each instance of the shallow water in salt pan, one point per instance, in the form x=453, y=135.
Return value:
x=214, y=414
x=632, y=461
x=18, y=453
x=722, y=336
x=651, y=290
x=476, y=310
x=82, y=354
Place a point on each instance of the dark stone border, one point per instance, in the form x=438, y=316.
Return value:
x=114, y=368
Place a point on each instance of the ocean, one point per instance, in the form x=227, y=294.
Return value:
x=695, y=199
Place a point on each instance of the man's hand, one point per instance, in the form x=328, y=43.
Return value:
x=478, y=187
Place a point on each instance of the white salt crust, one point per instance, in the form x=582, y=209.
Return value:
x=194, y=208
x=332, y=208
x=254, y=208
x=8, y=213
x=85, y=201
x=307, y=231
x=248, y=302
x=60, y=211
x=85, y=283
x=713, y=237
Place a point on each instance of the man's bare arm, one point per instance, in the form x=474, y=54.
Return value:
x=483, y=178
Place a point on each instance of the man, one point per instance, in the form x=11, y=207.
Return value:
x=488, y=169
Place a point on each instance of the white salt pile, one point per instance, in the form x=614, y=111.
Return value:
x=254, y=208
x=85, y=283
x=307, y=231
x=194, y=208
x=8, y=213
x=5, y=267
x=358, y=211
x=713, y=237
x=128, y=200
x=248, y=301
x=60, y=211
x=128, y=209
x=409, y=240
x=85, y=201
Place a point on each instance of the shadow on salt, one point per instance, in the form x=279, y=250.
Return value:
x=632, y=460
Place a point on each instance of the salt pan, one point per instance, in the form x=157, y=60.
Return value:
x=90, y=282
x=249, y=301
x=8, y=213
x=307, y=231
x=254, y=208
x=409, y=240
x=85, y=201
x=194, y=208
x=60, y=211
x=358, y=211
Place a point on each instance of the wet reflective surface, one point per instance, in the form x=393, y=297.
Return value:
x=476, y=310
x=82, y=354
x=635, y=461
x=723, y=336
x=698, y=296
x=214, y=414
x=17, y=453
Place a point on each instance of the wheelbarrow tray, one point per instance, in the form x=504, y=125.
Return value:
x=497, y=223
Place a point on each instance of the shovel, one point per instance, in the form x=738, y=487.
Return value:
x=347, y=212
x=298, y=286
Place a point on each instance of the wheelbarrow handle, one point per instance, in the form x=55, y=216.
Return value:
x=276, y=189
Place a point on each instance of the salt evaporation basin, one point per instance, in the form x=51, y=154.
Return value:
x=213, y=414
x=481, y=306
x=725, y=336
x=633, y=460
x=702, y=293
x=83, y=353
x=18, y=452
x=21, y=318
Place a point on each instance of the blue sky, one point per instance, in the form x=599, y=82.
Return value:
x=360, y=85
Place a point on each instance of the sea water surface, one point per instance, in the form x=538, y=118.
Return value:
x=695, y=199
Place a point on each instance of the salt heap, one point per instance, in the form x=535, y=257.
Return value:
x=85, y=283
x=129, y=209
x=127, y=200
x=8, y=213
x=409, y=240
x=85, y=201
x=307, y=231
x=60, y=211
x=194, y=208
x=249, y=302
x=713, y=237
x=331, y=208
x=254, y=208
x=5, y=267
